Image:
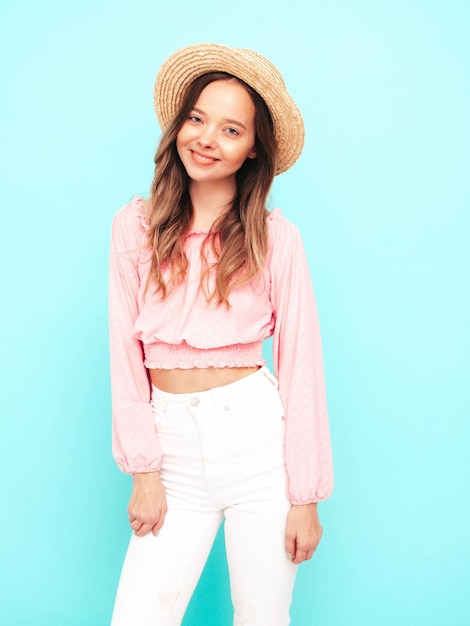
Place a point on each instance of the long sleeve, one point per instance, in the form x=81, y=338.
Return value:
x=135, y=444
x=298, y=365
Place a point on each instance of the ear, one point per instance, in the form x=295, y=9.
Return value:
x=252, y=154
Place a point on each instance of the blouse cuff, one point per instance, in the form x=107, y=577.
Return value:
x=136, y=447
x=322, y=493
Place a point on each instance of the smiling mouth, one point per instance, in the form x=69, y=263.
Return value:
x=204, y=160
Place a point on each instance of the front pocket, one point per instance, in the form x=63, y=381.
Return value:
x=160, y=414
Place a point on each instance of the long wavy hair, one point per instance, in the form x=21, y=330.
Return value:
x=238, y=239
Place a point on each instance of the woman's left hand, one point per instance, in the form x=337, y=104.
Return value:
x=303, y=532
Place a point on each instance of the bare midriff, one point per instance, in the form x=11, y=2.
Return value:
x=197, y=379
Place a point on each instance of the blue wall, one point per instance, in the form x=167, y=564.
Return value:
x=381, y=196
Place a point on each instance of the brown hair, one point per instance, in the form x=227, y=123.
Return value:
x=239, y=237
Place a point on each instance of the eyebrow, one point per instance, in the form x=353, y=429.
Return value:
x=227, y=120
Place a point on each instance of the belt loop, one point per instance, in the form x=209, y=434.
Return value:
x=272, y=379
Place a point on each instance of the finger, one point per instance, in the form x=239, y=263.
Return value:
x=144, y=519
x=290, y=546
x=299, y=557
x=136, y=525
x=305, y=552
x=143, y=530
x=158, y=525
x=303, y=548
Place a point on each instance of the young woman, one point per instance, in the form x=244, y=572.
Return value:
x=201, y=273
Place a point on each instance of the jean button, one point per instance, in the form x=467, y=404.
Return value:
x=194, y=401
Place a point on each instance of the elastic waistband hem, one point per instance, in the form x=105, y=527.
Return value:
x=182, y=356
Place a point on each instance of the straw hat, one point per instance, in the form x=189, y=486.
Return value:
x=187, y=64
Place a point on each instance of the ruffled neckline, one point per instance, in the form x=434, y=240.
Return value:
x=139, y=202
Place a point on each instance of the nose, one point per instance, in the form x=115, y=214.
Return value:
x=207, y=137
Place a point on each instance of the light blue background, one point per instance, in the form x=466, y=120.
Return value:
x=381, y=195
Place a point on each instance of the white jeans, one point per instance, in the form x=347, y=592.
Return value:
x=223, y=453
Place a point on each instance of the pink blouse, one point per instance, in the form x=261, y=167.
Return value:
x=185, y=331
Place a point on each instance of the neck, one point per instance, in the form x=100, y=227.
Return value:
x=209, y=202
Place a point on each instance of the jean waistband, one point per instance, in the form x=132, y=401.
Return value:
x=231, y=390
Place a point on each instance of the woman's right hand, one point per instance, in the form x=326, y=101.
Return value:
x=147, y=506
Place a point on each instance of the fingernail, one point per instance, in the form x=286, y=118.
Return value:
x=289, y=556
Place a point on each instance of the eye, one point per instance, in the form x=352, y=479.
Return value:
x=195, y=119
x=232, y=131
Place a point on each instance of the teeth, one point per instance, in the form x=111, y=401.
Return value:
x=203, y=158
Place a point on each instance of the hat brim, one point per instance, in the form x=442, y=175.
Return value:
x=185, y=65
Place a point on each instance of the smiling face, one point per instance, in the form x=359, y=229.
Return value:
x=219, y=134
